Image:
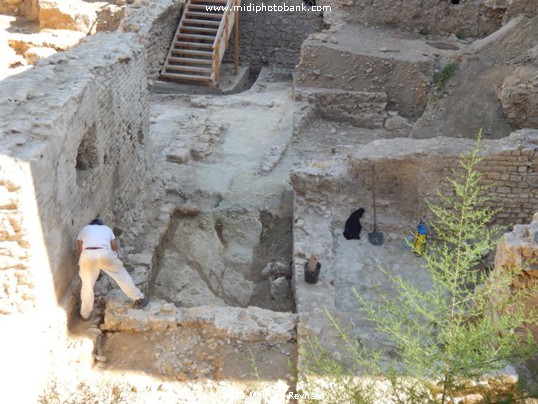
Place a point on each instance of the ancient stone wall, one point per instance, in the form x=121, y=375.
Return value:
x=273, y=38
x=408, y=172
x=516, y=7
x=517, y=255
x=394, y=66
x=360, y=108
x=73, y=141
x=28, y=9
x=155, y=24
x=450, y=17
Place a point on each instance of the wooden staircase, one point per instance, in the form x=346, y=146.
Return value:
x=200, y=42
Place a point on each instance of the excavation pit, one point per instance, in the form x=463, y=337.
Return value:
x=218, y=257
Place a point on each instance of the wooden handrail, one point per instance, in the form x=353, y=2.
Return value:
x=223, y=22
x=221, y=39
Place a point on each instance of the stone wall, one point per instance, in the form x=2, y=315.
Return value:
x=517, y=252
x=376, y=63
x=408, y=172
x=516, y=7
x=360, y=108
x=73, y=141
x=467, y=18
x=273, y=38
x=155, y=24
x=28, y=9
x=519, y=96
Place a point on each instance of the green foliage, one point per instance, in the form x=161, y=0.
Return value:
x=253, y=365
x=442, y=77
x=467, y=325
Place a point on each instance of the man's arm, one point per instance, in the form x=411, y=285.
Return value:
x=113, y=246
x=79, y=247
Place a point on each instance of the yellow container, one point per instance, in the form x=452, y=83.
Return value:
x=419, y=245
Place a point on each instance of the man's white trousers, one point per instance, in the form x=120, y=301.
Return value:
x=91, y=262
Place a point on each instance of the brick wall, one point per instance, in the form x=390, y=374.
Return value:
x=408, y=172
x=73, y=141
x=273, y=38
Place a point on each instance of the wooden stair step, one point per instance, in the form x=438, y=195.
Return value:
x=193, y=61
x=198, y=11
x=185, y=77
x=184, y=68
x=195, y=35
x=219, y=2
x=187, y=44
x=199, y=29
x=209, y=6
x=208, y=3
x=193, y=52
x=182, y=35
x=192, y=22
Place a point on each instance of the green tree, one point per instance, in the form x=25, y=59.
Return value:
x=468, y=324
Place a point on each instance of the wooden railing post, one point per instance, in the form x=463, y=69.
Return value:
x=226, y=14
x=217, y=63
x=222, y=35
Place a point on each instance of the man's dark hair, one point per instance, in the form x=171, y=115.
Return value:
x=97, y=221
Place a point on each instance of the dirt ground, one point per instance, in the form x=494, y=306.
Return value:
x=188, y=354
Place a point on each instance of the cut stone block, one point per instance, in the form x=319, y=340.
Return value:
x=519, y=97
x=73, y=15
x=33, y=55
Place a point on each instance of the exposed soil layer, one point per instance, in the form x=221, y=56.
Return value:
x=187, y=354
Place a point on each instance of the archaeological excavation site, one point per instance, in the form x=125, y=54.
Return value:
x=232, y=147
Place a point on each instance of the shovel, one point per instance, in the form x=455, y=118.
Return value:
x=375, y=237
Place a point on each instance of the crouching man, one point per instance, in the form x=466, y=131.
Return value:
x=97, y=250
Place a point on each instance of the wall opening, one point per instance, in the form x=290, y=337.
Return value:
x=87, y=156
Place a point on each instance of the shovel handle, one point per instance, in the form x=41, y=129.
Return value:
x=373, y=198
x=313, y=262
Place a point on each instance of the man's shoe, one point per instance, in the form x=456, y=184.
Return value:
x=141, y=303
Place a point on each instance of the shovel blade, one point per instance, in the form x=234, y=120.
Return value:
x=375, y=237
